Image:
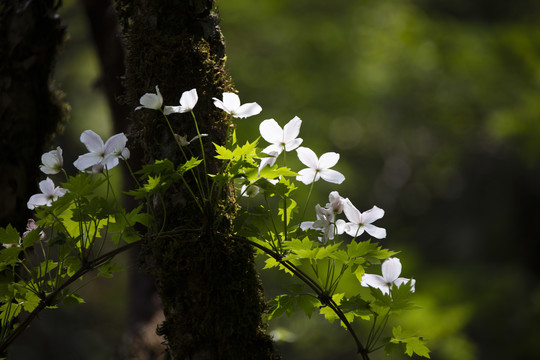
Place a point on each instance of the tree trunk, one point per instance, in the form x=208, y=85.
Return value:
x=30, y=107
x=207, y=282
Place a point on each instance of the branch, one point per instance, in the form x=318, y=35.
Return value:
x=49, y=299
x=323, y=297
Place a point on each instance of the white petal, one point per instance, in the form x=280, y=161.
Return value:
x=391, y=268
x=220, y=105
x=109, y=162
x=189, y=99
x=306, y=225
x=125, y=154
x=293, y=144
x=92, y=141
x=327, y=160
x=351, y=212
x=292, y=129
x=307, y=176
x=332, y=176
x=87, y=160
x=375, y=231
x=115, y=144
x=168, y=110
x=308, y=157
x=340, y=226
x=247, y=110
x=353, y=229
x=400, y=281
x=47, y=186
x=37, y=200
x=271, y=131
x=231, y=101
x=150, y=101
x=375, y=281
x=372, y=214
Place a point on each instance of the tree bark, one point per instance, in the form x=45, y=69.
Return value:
x=207, y=282
x=31, y=108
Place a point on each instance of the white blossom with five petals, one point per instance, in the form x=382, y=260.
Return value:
x=318, y=167
x=391, y=269
x=52, y=161
x=280, y=138
x=49, y=193
x=360, y=222
x=151, y=101
x=231, y=105
x=188, y=100
x=101, y=155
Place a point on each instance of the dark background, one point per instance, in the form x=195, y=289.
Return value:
x=435, y=110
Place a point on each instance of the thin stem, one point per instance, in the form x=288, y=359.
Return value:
x=323, y=297
x=202, y=150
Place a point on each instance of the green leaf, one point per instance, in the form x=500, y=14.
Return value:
x=413, y=344
x=73, y=299
x=31, y=238
x=82, y=184
x=9, y=235
x=190, y=164
x=223, y=153
x=282, y=304
x=307, y=303
x=9, y=256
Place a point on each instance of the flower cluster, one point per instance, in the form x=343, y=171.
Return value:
x=101, y=156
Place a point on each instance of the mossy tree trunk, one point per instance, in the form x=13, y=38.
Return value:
x=209, y=288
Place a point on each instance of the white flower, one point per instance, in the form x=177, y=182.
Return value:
x=52, y=161
x=101, y=155
x=281, y=139
x=183, y=139
x=318, y=167
x=49, y=193
x=391, y=269
x=188, y=100
x=249, y=190
x=336, y=202
x=151, y=101
x=325, y=223
x=231, y=105
x=360, y=222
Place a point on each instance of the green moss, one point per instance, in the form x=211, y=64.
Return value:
x=209, y=288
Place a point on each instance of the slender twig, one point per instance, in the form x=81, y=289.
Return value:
x=49, y=299
x=323, y=297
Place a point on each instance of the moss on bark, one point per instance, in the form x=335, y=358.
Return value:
x=209, y=288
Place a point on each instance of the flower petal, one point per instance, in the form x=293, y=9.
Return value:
x=327, y=160
x=293, y=144
x=400, y=281
x=231, y=101
x=307, y=176
x=37, y=200
x=87, y=160
x=247, y=110
x=391, y=268
x=291, y=129
x=353, y=229
x=372, y=214
x=271, y=131
x=308, y=157
x=92, y=141
x=351, y=212
x=375, y=281
x=47, y=186
x=332, y=176
x=115, y=144
x=375, y=231
x=188, y=100
x=168, y=110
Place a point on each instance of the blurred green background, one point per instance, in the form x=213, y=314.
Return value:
x=434, y=107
